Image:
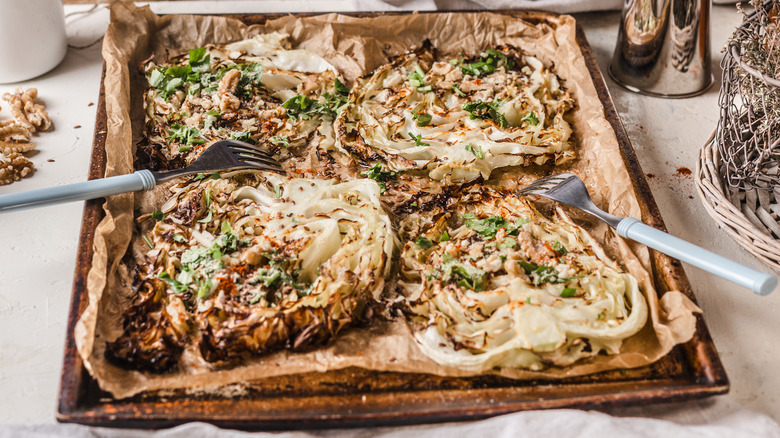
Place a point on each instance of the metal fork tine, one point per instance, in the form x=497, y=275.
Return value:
x=543, y=185
x=244, y=156
x=263, y=164
x=246, y=147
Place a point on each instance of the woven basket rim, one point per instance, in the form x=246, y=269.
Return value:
x=728, y=217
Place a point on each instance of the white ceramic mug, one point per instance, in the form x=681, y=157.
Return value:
x=32, y=38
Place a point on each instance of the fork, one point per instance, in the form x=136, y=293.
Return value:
x=568, y=189
x=220, y=156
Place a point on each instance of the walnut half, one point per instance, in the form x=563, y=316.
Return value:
x=14, y=167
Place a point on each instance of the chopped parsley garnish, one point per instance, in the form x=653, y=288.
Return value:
x=185, y=134
x=422, y=118
x=488, y=64
x=463, y=274
x=176, y=285
x=568, y=292
x=200, y=264
x=282, y=141
x=168, y=80
x=202, y=176
x=508, y=243
x=489, y=227
x=276, y=275
x=417, y=79
x=418, y=140
x=531, y=119
x=199, y=59
x=445, y=236
x=157, y=215
x=250, y=78
x=542, y=274
x=245, y=136
x=559, y=248
x=458, y=91
x=476, y=151
x=299, y=107
x=424, y=242
x=209, y=217
x=341, y=88
x=377, y=174
x=486, y=111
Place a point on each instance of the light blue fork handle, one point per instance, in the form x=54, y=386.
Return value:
x=96, y=188
x=759, y=282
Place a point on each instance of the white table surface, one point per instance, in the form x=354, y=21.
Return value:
x=39, y=246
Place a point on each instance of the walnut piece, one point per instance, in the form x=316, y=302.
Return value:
x=7, y=147
x=14, y=167
x=27, y=113
x=13, y=132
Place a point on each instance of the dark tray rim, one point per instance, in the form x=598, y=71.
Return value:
x=706, y=375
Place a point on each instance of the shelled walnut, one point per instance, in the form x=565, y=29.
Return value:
x=15, y=134
x=14, y=167
x=27, y=113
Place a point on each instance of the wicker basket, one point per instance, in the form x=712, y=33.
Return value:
x=727, y=215
x=740, y=162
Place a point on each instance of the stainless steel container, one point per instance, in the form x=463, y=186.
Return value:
x=663, y=48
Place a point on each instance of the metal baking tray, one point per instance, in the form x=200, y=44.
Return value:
x=356, y=397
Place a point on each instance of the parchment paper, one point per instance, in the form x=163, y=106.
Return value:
x=355, y=46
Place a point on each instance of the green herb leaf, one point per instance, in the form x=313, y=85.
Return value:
x=458, y=91
x=445, y=236
x=199, y=60
x=283, y=141
x=486, y=111
x=417, y=78
x=209, y=217
x=249, y=80
x=177, y=286
x=205, y=289
x=568, y=292
x=341, y=88
x=508, y=243
x=178, y=238
x=245, y=136
x=531, y=119
x=148, y=242
x=207, y=195
x=464, y=275
x=418, y=140
x=486, y=227
x=185, y=134
x=490, y=61
x=299, y=107
x=559, y=248
x=157, y=215
x=541, y=274
x=424, y=242
x=476, y=151
x=377, y=174
x=422, y=118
